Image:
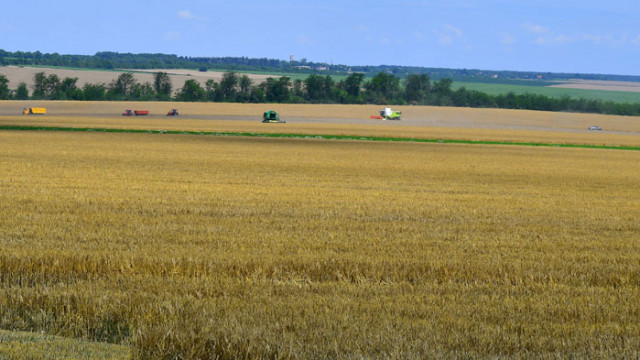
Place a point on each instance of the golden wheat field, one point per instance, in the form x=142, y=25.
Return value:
x=187, y=246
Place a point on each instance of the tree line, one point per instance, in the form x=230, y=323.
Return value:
x=116, y=60
x=383, y=89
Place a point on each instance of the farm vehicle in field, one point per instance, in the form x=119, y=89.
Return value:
x=34, y=111
x=271, y=117
x=388, y=114
x=135, y=112
x=173, y=112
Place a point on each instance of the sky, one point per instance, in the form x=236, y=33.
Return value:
x=573, y=36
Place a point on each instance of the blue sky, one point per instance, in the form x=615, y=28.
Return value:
x=558, y=36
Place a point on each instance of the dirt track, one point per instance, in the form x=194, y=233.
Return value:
x=420, y=116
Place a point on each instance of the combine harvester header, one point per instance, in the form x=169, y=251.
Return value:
x=34, y=111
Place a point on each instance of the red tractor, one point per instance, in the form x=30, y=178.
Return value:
x=173, y=112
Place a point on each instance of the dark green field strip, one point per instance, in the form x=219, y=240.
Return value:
x=316, y=136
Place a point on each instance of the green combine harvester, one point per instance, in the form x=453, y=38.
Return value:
x=388, y=114
x=271, y=117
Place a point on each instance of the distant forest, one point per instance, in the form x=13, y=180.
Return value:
x=355, y=87
x=115, y=60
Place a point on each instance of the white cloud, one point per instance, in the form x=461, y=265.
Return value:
x=305, y=40
x=445, y=39
x=607, y=40
x=554, y=40
x=448, y=34
x=6, y=27
x=636, y=40
x=542, y=41
x=563, y=39
x=361, y=29
x=188, y=15
x=172, y=36
x=457, y=32
x=185, y=14
x=544, y=36
x=419, y=36
x=592, y=38
x=536, y=29
x=508, y=39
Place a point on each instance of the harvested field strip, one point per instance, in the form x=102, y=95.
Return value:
x=318, y=136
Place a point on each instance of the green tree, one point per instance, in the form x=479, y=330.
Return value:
x=4, y=87
x=22, y=92
x=122, y=87
x=162, y=85
x=353, y=83
x=340, y=95
x=53, y=87
x=39, y=85
x=277, y=90
x=191, y=91
x=69, y=89
x=443, y=86
x=417, y=88
x=212, y=91
x=298, y=91
x=442, y=91
x=318, y=88
x=228, y=85
x=383, y=88
x=257, y=95
x=245, y=88
x=327, y=87
x=314, y=88
x=144, y=91
x=94, y=92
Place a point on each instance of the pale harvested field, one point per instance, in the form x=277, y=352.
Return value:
x=181, y=75
x=17, y=74
x=601, y=85
x=418, y=121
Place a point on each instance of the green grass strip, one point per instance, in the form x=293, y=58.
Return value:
x=317, y=136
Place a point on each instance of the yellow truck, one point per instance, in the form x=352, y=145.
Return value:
x=34, y=111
